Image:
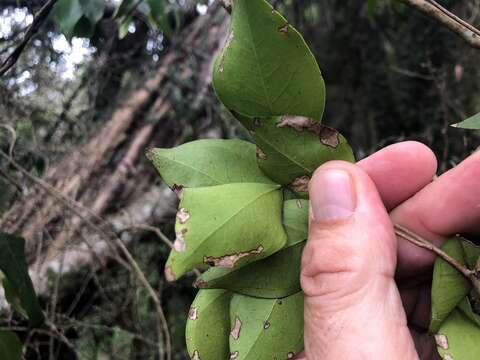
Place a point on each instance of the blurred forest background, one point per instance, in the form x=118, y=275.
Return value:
x=78, y=114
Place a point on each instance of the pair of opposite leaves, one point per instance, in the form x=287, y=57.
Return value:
x=232, y=211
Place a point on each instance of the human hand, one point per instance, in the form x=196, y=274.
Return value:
x=367, y=292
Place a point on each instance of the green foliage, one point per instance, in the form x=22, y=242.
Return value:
x=211, y=230
x=470, y=123
x=208, y=325
x=266, y=328
x=15, y=269
x=278, y=275
x=265, y=68
x=10, y=346
x=291, y=147
x=67, y=13
x=455, y=325
x=207, y=163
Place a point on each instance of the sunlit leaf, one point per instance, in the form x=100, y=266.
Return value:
x=14, y=267
x=208, y=325
x=226, y=226
x=266, y=328
x=470, y=123
x=208, y=162
x=291, y=148
x=449, y=286
x=265, y=67
x=10, y=346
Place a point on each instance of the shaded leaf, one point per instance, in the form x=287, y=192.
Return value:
x=125, y=8
x=372, y=6
x=123, y=28
x=93, y=9
x=458, y=337
x=276, y=276
x=466, y=308
x=295, y=220
x=84, y=28
x=10, y=346
x=449, y=286
x=265, y=67
x=226, y=225
x=470, y=123
x=208, y=325
x=291, y=148
x=67, y=13
x=14, y=267
x=12, y=297
x=266, y=328
x=208, y=162
x=471, y=253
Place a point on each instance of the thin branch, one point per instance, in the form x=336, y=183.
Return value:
x=146, y=227
x=419, y=241
x=40, y=17
x=466, y=31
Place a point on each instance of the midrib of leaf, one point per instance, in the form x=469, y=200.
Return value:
x=284, y=155
x=257, y=62
x=231, y=217
x=261, y=329
x=218, y=182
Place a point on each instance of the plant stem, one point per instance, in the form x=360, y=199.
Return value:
x=472, y=275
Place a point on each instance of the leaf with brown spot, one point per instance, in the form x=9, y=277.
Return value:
x=294, y=147
x=208, y=325
x=267, y=69
x=282, y=336
x=276, y=276
x=229, y=225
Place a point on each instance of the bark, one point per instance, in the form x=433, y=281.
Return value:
x=110, y=174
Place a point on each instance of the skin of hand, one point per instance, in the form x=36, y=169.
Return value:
x=367, y=292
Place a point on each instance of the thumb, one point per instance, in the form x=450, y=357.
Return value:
x=352, y=306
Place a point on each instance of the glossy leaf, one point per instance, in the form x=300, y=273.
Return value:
x=227, y=226
x=265, y=67
x=208, y=162
x=458, y=337
x=265, y=329
x=449, y=286
x=470, y=123
x=14, y=267
x=208, y=325
x=93, y=9
x=67, y=13
x=276, y=276
x=291, y=148
x=10, y=346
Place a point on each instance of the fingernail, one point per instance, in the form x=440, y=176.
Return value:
x=332, y=196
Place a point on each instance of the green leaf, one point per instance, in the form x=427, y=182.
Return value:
x=289, y=149
x=157, y=9
x=372, y=6
x=208, y=325
x=67, y=13
x=266, y=68
x=266, y=328
x=84, y=28
x=278, y=275
x=470, y=123
x=458, y=337
x=471, y=253
x=295, y=220
x=12, y=297
x=226, y=225
x=10, y=346
x=466, y=308
x=93, y=9
x=125, y=8
x=208, y=162
x=14, y=267
x=123, y=28
x=449, y=286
